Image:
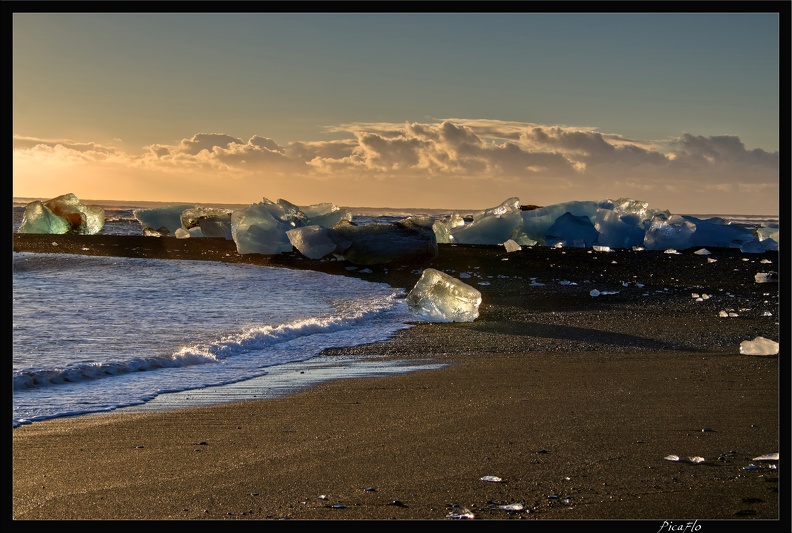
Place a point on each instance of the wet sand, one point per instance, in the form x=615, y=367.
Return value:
x=573, y=401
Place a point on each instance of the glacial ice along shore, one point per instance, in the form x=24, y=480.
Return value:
x=323, y=230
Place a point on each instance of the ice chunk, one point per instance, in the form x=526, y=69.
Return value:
x=443, y=226
x=536, y=222
x=618, y=230
x=382, y=243
x=767, y=457
x=490, y=226
x=717, y=232
x=84, y=219
x=633, y=212
x=438, y=297
x=756, y=246
x=39, y=219
x=256, y=231
x=285, y=212
x=326, y=214
x=161, y=220
x=512, y=507
x=572, y=231
x=63, y=214
x=211, y=221
x=759, y=346
x=684, y=231
x=669, y=232
x=512, y=246
x=766, y=277
x=768, y=232
x=315, y=242
x=461, y=513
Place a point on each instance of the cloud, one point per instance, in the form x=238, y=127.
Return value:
x=722, y=149
x=473, y=159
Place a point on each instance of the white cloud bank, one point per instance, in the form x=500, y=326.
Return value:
x=451, y=163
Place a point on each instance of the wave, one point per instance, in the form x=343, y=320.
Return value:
x=249, y=341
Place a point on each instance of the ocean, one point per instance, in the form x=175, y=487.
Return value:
x=97, y=334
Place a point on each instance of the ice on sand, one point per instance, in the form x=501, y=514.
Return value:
x=163, y=220
x=438, y=297
x=63, y=214
x=212, y=222
x=256, y=231
x=315, y=241
x=371, y=244
x=490, y=226
x=759, y=346
x=512, y=246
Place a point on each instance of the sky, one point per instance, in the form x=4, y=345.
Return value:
x=412, y=110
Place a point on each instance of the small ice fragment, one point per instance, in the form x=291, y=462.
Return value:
x=594, y=292
x=366, y=271
x=339, y=506
x=697, y=459
x=766, y=277
x=512, y=507
x=694, y=295
x=711, y=260
x=751, y=467
x=493, y=479
x=766, y=261
x=182, y=233
x=601, y=248
x=512, y=246
x=483, y=282
x=566, y=282
x=759, y=346
x=462, y=513
x=465, y=275
x=322, y=497
x=671, y=251
x=350, y=268
x=767, y=457
x=703, y=251
x=671, y=458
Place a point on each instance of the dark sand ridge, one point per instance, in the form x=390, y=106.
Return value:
x=573, y=400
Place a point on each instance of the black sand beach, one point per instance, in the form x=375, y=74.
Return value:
x=574, y=401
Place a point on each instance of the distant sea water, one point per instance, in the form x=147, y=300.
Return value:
x=95, y=334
